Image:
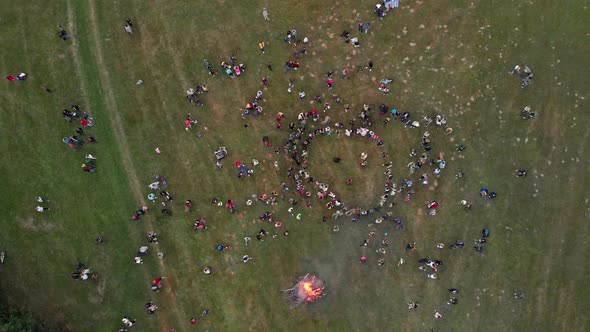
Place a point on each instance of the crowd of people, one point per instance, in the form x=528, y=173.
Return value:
x=361, y=122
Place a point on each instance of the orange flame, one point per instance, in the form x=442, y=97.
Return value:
x=311, y=293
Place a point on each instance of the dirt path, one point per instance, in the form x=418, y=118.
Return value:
x=168, y=299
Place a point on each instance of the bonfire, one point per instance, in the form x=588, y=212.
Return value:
x=307, y=289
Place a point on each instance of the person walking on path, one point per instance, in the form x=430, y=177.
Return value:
x=265, y=14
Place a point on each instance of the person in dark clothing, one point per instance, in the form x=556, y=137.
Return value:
x=61, y=33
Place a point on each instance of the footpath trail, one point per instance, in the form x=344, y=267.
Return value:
x=169, y=312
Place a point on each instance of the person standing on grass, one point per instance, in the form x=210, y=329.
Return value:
x=157, y=284
x=329, y=83
x=265, y=14
x=129, y=26
x=261, y=46
x=151, y=308
x=62, y=33
x=41, y=199
x=46, y=89
x=129, y=322
x=344, y=73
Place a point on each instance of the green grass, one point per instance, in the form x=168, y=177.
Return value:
x=453, y=60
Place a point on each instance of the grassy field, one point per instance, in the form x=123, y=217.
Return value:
x=448, y=57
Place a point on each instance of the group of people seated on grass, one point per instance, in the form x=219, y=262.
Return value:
x=83, y=273
x=231, y=68
x=302, y=132
x=525, y=73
